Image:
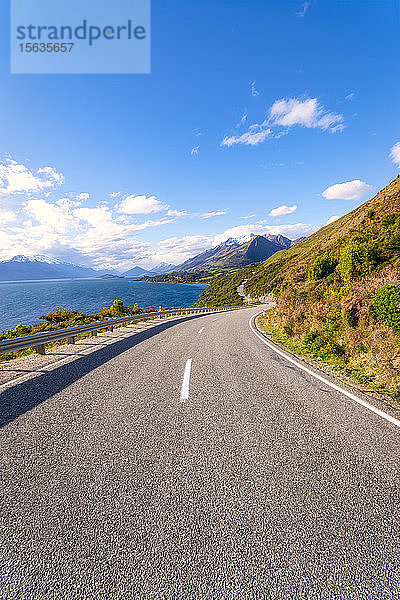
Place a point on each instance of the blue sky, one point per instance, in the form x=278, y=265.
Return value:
x=251, y=107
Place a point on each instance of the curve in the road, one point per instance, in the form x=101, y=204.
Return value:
x=334, y=386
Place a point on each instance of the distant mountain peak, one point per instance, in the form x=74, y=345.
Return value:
x=231, y=242
x=22, y=258
x=237, y=252
x=162, y=268
x=21, y=267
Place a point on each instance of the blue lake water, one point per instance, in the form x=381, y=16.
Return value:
x=24, y=302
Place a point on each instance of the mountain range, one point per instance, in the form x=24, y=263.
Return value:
x=31, y=268
x=233, y=253
x=238, y=252
x=20, y=268
x=158, y=270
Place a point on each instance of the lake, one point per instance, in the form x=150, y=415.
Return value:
x=24, y=302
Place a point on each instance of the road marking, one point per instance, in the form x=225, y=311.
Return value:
x=326, y=381
x=215, y=319
x=186, y=380
x=202, y=329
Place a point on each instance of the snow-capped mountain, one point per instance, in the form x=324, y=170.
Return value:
x=235, y=252
x=22, y=268
x=21, y=258
x=163, y=268
x=231, y=242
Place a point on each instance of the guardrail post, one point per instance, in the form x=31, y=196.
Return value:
x=71, y=340
x=41, y=349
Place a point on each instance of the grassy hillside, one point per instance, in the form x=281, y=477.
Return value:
x=338, y=292
x=223, y=290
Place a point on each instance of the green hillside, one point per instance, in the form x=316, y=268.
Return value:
x=337, y=292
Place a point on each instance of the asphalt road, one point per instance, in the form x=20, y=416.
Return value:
x=134, y=473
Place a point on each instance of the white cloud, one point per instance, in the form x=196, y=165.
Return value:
x=304, y=8
x=283, y=210
x=189, y=243
x=350, y=96
x=115, y=194
x=176, y=213
x=306, y=113
x=194, y=151
x=350, y=190
x=18, y=179
x=254, y=91
x=140, y=205
x=53, y=218
x=47, y=226
x=177, y=250
x=107, y=237
x=254, y=136
x=332, y=219
x=395, y=154
x=68, y=203
x=51, y=175
x=92, y=235
x=83, y=196
x=287, y=113
x=242, y=121
x=147, y=224
x=249, y=217
x=6, y=216
x=214, y=213
x=99, y=236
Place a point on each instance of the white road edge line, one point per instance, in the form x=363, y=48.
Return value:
x=186, y=380
x=326, y=381
x=216, y=319
x=201, y=330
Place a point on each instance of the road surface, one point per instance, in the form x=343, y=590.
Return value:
x=195, y=463
x=240, y=291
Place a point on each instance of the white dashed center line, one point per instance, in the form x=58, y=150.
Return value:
x=202, y=329
x=186, y=380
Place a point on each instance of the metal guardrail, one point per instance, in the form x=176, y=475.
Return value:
x=39, y=340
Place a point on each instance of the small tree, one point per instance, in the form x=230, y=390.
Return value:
x=358, y=258
x=322, y=266
x=117, y=308
x=387, y=305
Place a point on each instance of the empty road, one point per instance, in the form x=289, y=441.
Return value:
x=191, y=461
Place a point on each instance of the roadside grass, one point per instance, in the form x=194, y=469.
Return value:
x=338, y=366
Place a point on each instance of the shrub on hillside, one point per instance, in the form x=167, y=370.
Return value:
x=117, y=309
x=358, y=258
x=390, y=220
x=61, y=315
x=387, y=305
x=323, y=346
x=322, y=266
